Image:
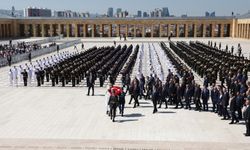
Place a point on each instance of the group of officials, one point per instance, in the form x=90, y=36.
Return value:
x=226, y=70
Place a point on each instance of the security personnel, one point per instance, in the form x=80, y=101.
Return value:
x=25, y=77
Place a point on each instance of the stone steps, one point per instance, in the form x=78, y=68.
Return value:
x=64, y=144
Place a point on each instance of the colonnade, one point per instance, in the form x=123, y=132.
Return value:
x=5, y=30
x=243, y=30
x=128, y=30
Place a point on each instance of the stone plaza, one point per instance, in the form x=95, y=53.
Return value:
x=34, y=118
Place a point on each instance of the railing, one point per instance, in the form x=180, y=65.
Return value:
x=46, y=40
x=37, y=53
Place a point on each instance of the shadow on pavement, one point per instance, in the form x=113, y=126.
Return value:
x=133, y=115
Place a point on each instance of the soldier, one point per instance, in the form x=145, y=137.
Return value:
x=91, y=83
x=38, y=77
x=57, y=48
x=101, y=79
x=75, y=47
x=42, y=74
x=52, y=76
x=62, y=73
x=11, y=76
x=73, y=78
x=15, y=74
x=47, y=73
x=232, y=50
x=82, y=46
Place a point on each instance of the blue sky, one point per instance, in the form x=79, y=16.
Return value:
x=176, y=7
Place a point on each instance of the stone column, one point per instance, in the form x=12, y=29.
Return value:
x=67, y=29
x=212, y=29
x=195, y=30
x=51, y=30
x=204, y=30
x=110, y=30
x=245, y=31
x=6, y=30
x=238, y=31
x=177, y=30
x=169, y=30
x=222, y=30
x=118, y=30
x=93, y=30
x=126, y=31
x=134, y=30
x=143, y=31
x=241, y=30
x=34, y=30
x=152, y=30
x=248, y=31
x=85, y=30
x=25, y=30
x=1, y=31
x=76, y=30
x=101, y=30
x=42, y=30
x=59, y=31
x=160, y=30
x=186, y=30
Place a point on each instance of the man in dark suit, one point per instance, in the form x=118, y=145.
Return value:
x=188, y=97
x=233, y=108
x=197, y=96
x=25, y=77
x=134, y=91
x=155, y=97
x=247, y=117
x=178, y=96
x=215, y=98
x=205, y=97
x=225, y=103
x=239, y=104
